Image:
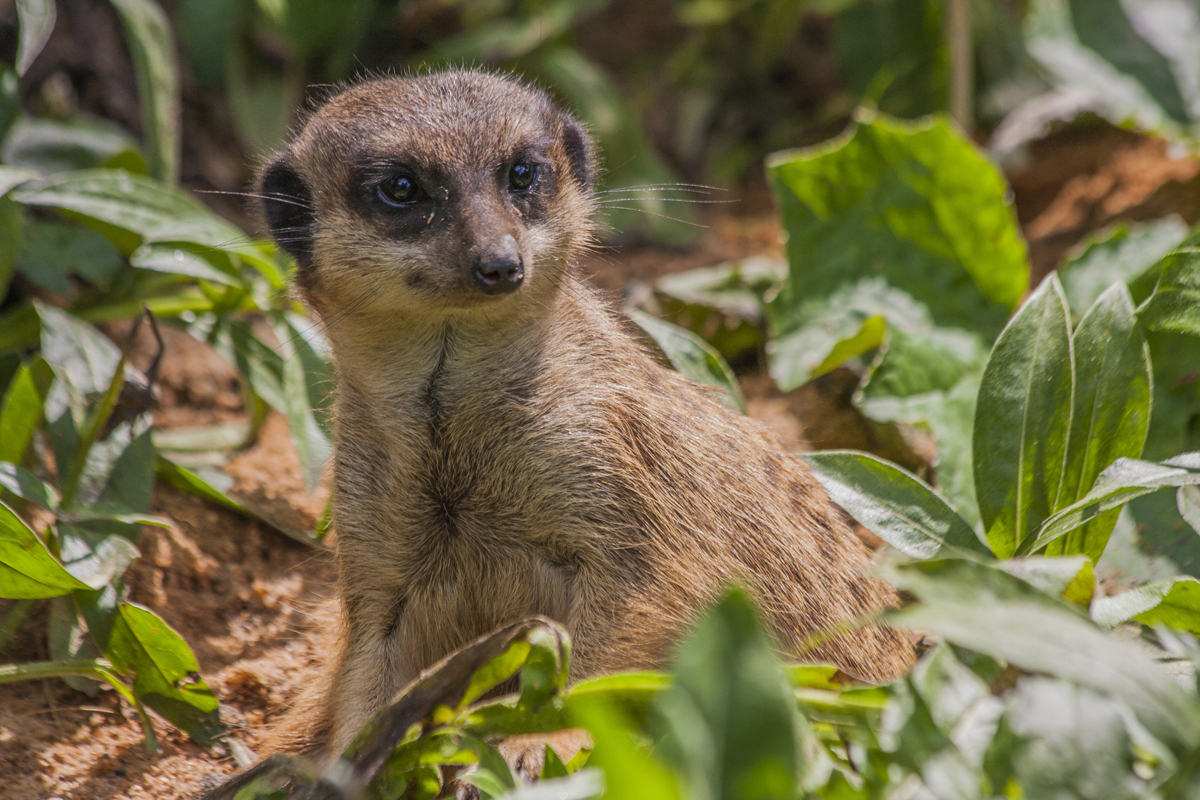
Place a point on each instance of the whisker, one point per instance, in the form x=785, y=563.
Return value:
x=656, y=214
x=278, y=198
x=695, y=187
x=606, y=203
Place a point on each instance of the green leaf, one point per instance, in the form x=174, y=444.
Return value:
x=982, y=608
x=1102, y=26
x=1175, y=304
x=1075, y=742
x=147, y=211
x=27, y=570
x=51, y=251
x=1118, y=254
x=131, y=481
x=892, y=54
x=894, y=505
x=21, y=408
x=692, y=357
x=1088, y=45
x=1174, y=603
x=78, y=353
x=181, y=259
x=1112, y=410
x=730, y=720
x=214, y=486
x=93, y=556
x=207, y=28
x=1187, y=499
x=12, y=223
x=915, y=204
x=167, y=675
x=552, y=765
x=46, y=146
x=918, y=362
x=950, y=416
x=1069, y=577
x=1124, y=480
x=37, y=22
x=629, y=772
x=26, y=485
x=1022, y=420
x=152, y=46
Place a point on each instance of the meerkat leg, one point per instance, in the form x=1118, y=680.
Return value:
x=367, y=679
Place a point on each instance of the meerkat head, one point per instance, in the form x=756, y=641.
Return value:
x=449, y=193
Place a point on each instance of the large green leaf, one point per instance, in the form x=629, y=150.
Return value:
x=950, y=416
x=146, y=211
x=1119, y=254
x=692, y=357
x=1175, y=603
x=1093, y=45
x=1174, y=306
x=915, y=204
x=1111, y=413
x=21, y=408
x=37, y=22
x=51, y=251
x=629, y=771
x=730, y=720
x=1124, y=480
x=167, y=675
x=79, y=354
x=27, y=570
x=1103, y=26
x=982, y=608
x=45, y=146
x=895, y=505
x=1076, y=742
x=1022, y=420
x=152, y=45
x=27, y=486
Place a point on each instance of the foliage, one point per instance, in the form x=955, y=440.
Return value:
x=84, y=227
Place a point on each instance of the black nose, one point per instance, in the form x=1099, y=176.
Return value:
x=500, y=270
x=499, y=274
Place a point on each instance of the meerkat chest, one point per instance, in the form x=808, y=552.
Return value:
x=439, y=485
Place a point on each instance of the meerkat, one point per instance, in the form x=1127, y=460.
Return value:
x=504, y=445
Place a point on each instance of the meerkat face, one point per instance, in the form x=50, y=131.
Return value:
x=450, y=193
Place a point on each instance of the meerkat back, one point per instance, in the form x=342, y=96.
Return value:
x=503, y=446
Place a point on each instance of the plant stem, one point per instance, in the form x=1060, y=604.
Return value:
x=958, y=31
x=18, y=613
x=98, y=669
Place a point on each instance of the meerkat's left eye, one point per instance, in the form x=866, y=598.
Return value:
x=521, y=177
x=399, y=189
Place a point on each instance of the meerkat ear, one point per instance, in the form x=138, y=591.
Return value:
x=287, y=206
x=581, y=152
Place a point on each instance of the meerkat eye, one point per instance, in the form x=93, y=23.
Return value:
x=522, y=176
x=399, y=189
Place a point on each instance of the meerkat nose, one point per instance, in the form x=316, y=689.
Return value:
x=500, y=269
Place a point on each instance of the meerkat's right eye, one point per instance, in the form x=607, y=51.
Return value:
x=399, y=189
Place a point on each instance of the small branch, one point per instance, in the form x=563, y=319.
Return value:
x=962, y=79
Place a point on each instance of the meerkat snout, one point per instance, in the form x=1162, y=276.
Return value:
x=500, y=269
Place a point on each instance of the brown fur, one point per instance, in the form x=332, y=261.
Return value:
x=504, y=456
